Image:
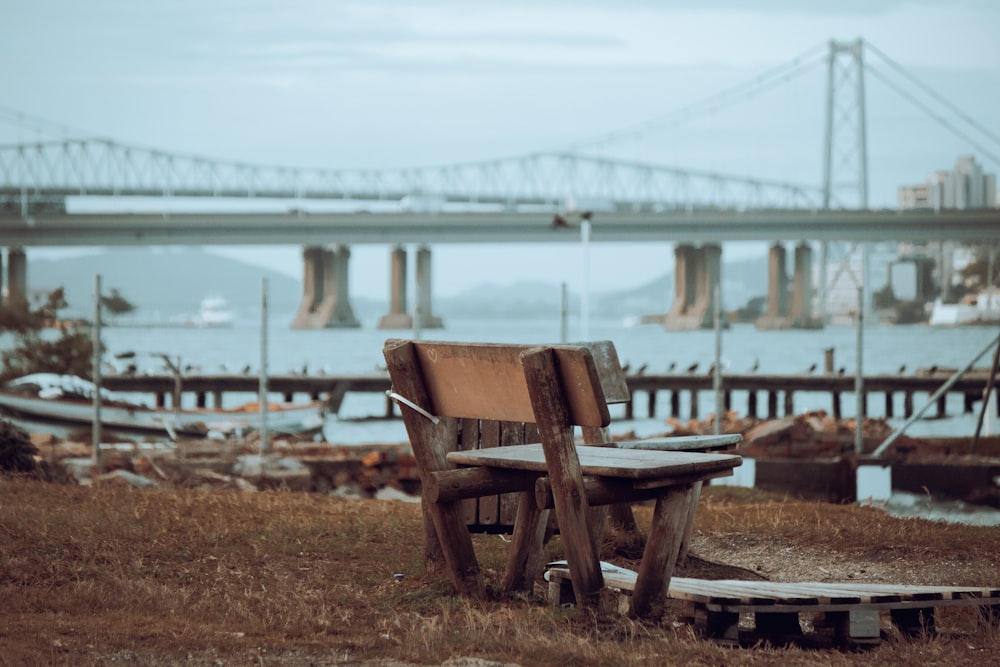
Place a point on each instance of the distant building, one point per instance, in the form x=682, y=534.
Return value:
x=965, y=186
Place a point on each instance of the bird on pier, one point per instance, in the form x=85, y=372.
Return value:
x=672, y=366
x=626, y=367
x=841, y=370
x=246, y=370
x=902, y=369
x=693, y=367
x=305, y=369
x=811, y=369
x=641, y=369
x=756, y=365
x=560, y=222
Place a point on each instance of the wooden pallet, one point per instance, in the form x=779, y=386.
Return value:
x=743, y=612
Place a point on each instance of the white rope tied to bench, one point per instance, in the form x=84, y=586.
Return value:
x=407, y=402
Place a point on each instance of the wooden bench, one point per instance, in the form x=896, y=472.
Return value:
x=557, y=388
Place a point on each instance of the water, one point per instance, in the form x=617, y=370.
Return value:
x=347, y=351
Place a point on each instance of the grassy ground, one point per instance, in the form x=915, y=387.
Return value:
x=107, y=574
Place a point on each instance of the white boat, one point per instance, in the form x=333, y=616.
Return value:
x=982, y=308
x=214, y=312
x=68, y=400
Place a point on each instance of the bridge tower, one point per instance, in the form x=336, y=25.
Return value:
x=844, y=266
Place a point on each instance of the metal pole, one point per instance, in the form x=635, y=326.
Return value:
x=717, y=374
x=262, y=387
x=95, y=343
x=563, y=309
x=934, y=397
x=585, y=292
x=859, y=380
x=986, y=398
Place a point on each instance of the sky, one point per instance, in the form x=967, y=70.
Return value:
x=312, y=83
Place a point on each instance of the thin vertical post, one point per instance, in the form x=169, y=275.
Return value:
x=563, y=310
x=262, y=388
x=585, y=292
x=717, y=374
x=986, y=398
x=859, y=381
x=95, y=343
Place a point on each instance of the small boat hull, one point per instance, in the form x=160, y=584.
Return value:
x=119, y=415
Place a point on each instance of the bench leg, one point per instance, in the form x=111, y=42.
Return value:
x=660, y=555
x=456, y=544
x=525, y=556
x=682, y=554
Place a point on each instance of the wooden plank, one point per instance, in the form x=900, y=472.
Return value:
x=693, y=443
x=489, y=506
x=469, y=439
x=511, y=433
x=560, y=456
x=660, y=555
x=429, y=442
x=457, y=374
x=604, y=461
x=602, y=491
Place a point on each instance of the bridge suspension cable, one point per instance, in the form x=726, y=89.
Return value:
x=937, y=117
x=740, y=92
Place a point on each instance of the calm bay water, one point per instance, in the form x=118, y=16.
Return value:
x=885, y=349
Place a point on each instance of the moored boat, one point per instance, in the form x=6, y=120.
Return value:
x=69, y=401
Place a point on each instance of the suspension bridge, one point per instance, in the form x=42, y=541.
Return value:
x=536, y=198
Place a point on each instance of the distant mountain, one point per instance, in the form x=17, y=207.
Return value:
x=742, y=280
x=167, y=283
x=163, y=283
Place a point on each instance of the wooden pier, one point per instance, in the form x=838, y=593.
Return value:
x=768, y=396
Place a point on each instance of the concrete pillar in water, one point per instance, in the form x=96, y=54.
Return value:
x=697, y=271
x=428, y=320
x=711, y=276
x=777, y=282
x=17, y=277
x=397, y=317
x=776, y=315
x=339, y=288
x=801, y=310
x=325, y=290
x=684, y=280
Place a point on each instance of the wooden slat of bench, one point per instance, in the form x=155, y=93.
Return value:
x=456, y=376
x=604, y=461
x=692, y=443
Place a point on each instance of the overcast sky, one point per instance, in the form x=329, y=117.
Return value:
x=311, y=83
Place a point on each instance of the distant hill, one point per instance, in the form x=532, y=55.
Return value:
x=163, y=283
x=166, y=283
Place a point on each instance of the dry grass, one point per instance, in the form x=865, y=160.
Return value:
x=95, y=575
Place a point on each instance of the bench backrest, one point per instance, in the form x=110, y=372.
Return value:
x=487, y=380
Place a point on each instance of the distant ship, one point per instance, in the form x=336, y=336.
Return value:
x=214, y=312
x=982, y=308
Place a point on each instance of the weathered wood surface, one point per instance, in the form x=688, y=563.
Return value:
x=851, y=609
x=479, y=391
x=603, y=461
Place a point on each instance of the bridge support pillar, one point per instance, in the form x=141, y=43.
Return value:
x=16, y=292
x=801, y=309
x=697, y=273
x=325, y=295
x=397, y=317
x=428, y=320
x=789, y=309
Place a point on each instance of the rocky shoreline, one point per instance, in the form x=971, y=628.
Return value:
x=809, y=455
